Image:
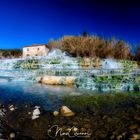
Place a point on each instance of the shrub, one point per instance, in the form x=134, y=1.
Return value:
x=27, y=64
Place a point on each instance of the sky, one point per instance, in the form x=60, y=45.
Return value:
x=27, y=22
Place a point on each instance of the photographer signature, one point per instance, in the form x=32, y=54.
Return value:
x=55, y=131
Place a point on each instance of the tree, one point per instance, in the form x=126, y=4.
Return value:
x=121, y=50
x=54, y=44
x=85, y=34
x=137, y=53
x=92, y=46
x=6, y=53
x=11, y=53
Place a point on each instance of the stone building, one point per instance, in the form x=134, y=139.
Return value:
x=35, y=50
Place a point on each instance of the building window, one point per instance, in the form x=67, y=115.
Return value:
x=36, y=55
x=27, y=49
x=38, y=49
x=28, y=55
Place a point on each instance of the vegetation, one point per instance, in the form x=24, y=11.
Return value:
x=128, y=66
x=55, y=61
x=109, y=82
x=137, y=53
x=87, y=46
x=92, y=46
x=27, y=64
x=95, y=47
x=15, y=53
x=90, y=101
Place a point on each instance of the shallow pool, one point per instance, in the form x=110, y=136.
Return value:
x=23, y=93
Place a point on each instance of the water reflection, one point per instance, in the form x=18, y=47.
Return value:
x=22, y=93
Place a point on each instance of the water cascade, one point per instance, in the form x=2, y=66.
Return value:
x=111, y=64
x=57, y=63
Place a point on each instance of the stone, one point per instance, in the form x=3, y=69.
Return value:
x=119, y=137
x=36, y=113
x=123, y=134
x=52, y=80
x=29, y=113
x=58, y=80
x=2, y=113
x=55, y=113
x=135, y=137
x=12, y=135
x=34, y=117
x=75, y=129
x=66, y=112
x=70, y=80
x=11, y=108
x=133, y=126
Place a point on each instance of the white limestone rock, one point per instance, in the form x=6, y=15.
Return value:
x=66, y=112
x=36, y=113
x=12, y=108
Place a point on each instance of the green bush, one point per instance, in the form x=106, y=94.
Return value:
x=128, y=66
x=55, y=61
x=27, y=64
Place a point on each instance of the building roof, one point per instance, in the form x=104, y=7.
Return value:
x=35, y=45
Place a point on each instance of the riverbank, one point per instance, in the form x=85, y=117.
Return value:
x=104, y=116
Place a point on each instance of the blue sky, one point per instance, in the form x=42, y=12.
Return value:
x=26, y=22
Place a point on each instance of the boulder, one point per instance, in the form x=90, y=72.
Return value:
x=66, y=112
x=58, y=80
x=69, y=80
x=36, y=113
x=2, y=112
x=55, y=113
x=11, y=108
x=52, y=80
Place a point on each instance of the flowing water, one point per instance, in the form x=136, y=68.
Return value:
x=111, y=64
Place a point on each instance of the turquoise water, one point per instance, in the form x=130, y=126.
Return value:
x=21, y=93
x=24, y=95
